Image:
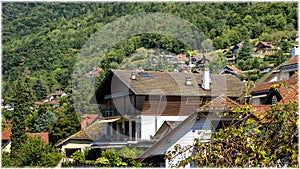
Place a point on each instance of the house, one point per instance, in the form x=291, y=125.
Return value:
x=266, y=69
x=234, y=49
x=231, y=60
x=6, y=142
x=282, y=72
x=200, y=124
x=266, y=93
x=263, y=47
x=230, y=70
x=55, y=95
x=202, y=61
x=179, y=59
x=138, y=103
x=94, y=72
x=181, y=68
x=93, y=136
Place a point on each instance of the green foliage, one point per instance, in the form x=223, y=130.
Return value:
x=106, y=158
x=5, y=160
x=44, y=122
x=268, y=140
x=21, y=111
x=36, y=153
x=4, y=125
x=39, y=89
x=246, y=50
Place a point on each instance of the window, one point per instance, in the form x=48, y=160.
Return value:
x=144, y=74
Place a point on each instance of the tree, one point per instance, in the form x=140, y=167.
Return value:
x=39, y=89
x=44, y=122
x=268, y=140
x=67, y=123
x=245, y=51
x=36, y=153
x=22, y=108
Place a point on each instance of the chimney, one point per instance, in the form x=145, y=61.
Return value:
x=206, y=79
x=188, y=81
x=133, y=76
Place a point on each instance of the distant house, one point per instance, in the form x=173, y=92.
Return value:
x=179, y=59
x=263, y=47
x=230, y=70
x=231, y=60
x=201, y=124
x=266, y=69
x=94, y=72
x=202, y=61
x=55, y=95
x=234, y=49
x=181, y=68
x=265, y=93
x=6, y=142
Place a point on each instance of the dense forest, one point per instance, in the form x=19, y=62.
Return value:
x=45, y=37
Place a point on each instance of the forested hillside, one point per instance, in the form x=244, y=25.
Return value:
x=45, y=37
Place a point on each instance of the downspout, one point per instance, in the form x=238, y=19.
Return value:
x=157, y=112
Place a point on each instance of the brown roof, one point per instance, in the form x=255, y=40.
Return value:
x=38, y=103
x=292, y=60
x=221, y=103
x=266, y=44
x=5, y=135
x=165, y=128
x=181, y=57
x=173, y=84
x=266, y=86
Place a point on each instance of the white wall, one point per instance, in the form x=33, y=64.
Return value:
x=148, y=124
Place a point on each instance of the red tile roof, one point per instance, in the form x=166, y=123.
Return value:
x=291, y=96
x=5, y=135
x=221, y=103
x=53, y=102
x=181, y=57
x=233, y=68
x=265, y=86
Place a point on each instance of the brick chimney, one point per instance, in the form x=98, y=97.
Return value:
x=206, y=79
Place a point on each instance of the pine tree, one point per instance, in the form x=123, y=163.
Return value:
x=22, y=108
x=39, y=89
x=245, y=51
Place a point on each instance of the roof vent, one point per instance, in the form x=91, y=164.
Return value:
x=188, y=81
x=133, y=76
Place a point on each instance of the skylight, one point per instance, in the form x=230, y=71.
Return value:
x=144, y=74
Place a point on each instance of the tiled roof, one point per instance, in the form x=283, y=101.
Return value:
x=5, y=135
x=173, y=84
x=292, y=60
x=291, y=96
x=221, y=103
x=44, y=136
x=266, y=86
x=260, y=110
x=38, y=103
x=233, y=68
x=53, y=102
x=88, y=118
x=181, y=57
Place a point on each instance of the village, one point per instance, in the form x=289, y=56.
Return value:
x=154, y=111
x=150, y=84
